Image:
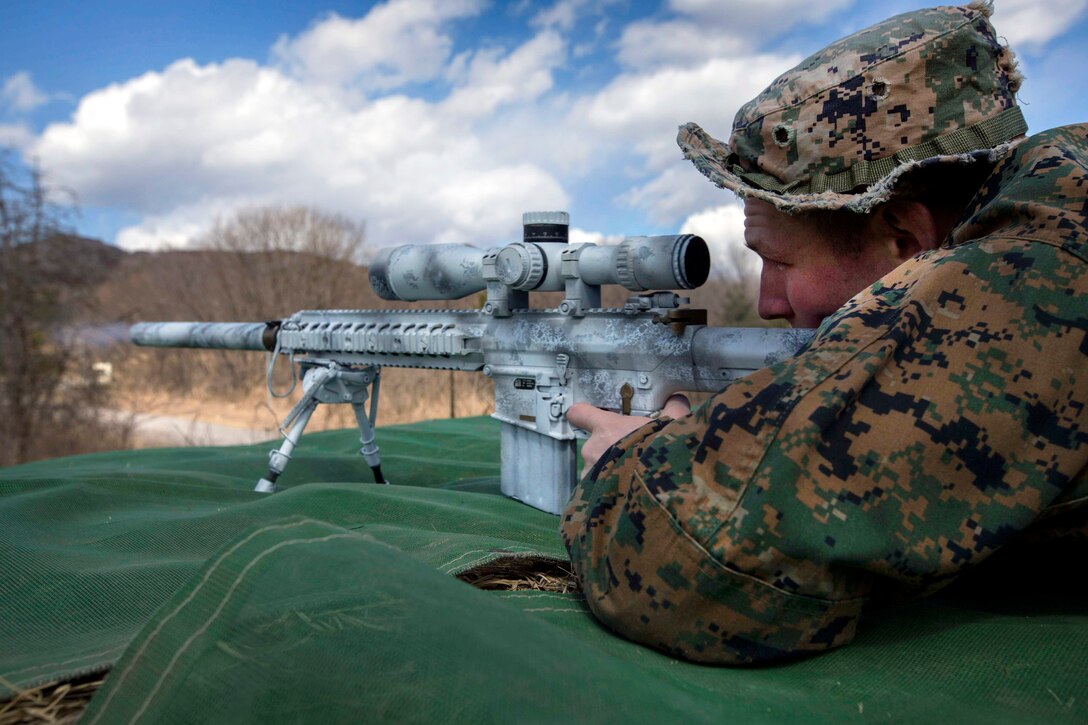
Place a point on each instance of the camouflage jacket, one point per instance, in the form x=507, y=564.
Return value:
x=935, y=417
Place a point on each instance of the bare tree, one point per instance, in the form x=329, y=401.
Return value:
x=49, y=402
x=258, y=264
x=276, y=260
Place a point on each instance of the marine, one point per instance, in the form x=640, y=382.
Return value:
x=937, y=417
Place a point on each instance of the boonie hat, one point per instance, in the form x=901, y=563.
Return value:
x=837, y=131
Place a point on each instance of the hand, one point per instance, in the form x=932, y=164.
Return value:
x=606, y=428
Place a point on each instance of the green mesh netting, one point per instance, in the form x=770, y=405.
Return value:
x=334, y=600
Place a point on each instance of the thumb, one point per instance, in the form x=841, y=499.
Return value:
x=677, y=406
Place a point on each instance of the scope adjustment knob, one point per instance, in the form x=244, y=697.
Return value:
x=520, y=266
x=625, y=267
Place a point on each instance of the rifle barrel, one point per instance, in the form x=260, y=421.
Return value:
x=218, y=335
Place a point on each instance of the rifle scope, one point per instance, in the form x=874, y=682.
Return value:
x=541, y=262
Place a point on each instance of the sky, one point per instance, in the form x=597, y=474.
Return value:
x=428, y=120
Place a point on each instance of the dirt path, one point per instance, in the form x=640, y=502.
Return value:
x=154, y=429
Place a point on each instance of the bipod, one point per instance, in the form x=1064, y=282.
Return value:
x=325, y=381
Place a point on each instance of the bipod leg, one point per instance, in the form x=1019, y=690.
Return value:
x=369, y=449
x=278, y=458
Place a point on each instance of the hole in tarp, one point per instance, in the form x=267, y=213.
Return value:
x=512, y=573
x=53, y=702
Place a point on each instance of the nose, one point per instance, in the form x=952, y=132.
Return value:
x=773, y=302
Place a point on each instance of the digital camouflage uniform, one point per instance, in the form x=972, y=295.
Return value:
x=934, y=418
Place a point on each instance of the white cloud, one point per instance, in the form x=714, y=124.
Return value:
x=640, y=112
x=175, y=229
x=673, y=193
x=173, y=137
x=565, y=15
x=1027, y=23
x=709, y=29
x=20, y=94
x=192, y=142
x=643, y=110
x=490, y=80
x=761, y=16
x=723, y=229
x=649, y=45
x=398, y=42
x=561, y=15
x=625, y=133
x=582, y=236
x=331, y=123
x=15, y=136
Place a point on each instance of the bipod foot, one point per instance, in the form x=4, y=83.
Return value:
x=279, y=458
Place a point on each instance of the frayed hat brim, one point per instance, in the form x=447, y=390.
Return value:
x=712, y=158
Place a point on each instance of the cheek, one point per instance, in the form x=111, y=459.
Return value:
x=818, y=291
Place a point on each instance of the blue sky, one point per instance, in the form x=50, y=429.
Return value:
x=429, y=120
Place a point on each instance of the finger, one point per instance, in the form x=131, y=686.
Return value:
x=677, y=406
x=584, y=415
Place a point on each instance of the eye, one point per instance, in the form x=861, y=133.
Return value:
x=773, y=264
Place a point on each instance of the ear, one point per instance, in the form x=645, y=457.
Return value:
x=909, y=227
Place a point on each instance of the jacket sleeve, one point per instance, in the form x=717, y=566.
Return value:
x=930, y=421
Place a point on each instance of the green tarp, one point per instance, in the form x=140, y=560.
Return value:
x=335, y=600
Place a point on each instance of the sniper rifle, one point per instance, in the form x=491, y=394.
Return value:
x=542, y=361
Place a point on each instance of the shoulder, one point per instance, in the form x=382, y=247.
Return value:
x=1037, y=193
x=1071, y=140
x=1058, y=156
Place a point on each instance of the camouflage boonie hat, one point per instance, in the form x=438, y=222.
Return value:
x=926, y=87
